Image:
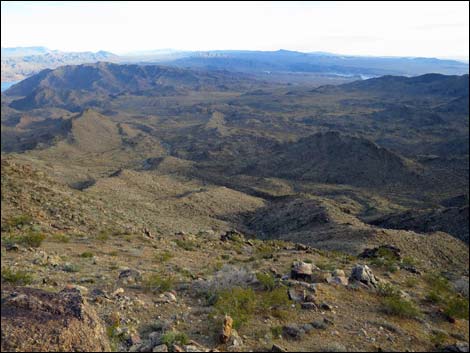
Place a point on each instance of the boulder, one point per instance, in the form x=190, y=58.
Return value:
x=302, y=271
x=226, y=330
x=363, y=274
x=232, y=235
x=457, y=347
x=130, y=276
x=293, y=332
x=36, y=320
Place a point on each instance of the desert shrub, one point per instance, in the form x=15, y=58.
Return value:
x=265, y=250
x=103, y=235
x=388, y=290
x=86, y=254
x=274, y=299
x=164, y=256
x=457, y=308
x=225, y=257
x=226, y=278
x=68, y=267
x=438, y=337
x=60, y=238
x=326, y=265
x=159, y=283
x=437, y=283
x=267, y=281
x=433, y=297
x=411, y=282
x=16, y=277
x=17, y=222
x=188, y=245
x=239, y=303
x=276, y=331
x=31, y=239
x=174, y=337
x=397, y=306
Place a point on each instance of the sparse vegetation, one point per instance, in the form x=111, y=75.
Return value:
x=164, y=256
x=267, y=281
x=160, y=283
x=187, y=245
x=86, y=254
x=401, y=307
x=174, y=337
x=16, y=277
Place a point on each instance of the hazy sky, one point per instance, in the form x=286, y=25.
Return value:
x=437, y=29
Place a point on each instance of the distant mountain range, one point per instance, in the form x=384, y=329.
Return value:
x=19, y=63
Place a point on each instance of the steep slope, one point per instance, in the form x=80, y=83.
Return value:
x=338, y=159
x=452, y=220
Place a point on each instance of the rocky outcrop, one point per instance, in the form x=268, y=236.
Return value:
x=36, y=320
x=363, y=274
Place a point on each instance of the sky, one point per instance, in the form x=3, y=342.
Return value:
x=425, y=29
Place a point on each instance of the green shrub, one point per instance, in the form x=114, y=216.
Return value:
x=159, y=283
x=400, y=307
x=411, y=282
x=86, y=254
x=31, y=239
x=72, y=268
x=60, y=238
x=103, y=235
x=276, y=331
x=433, y=297
x=267, y=281
x=17, y=222
x=164, y=256
x=187, y=245
x=326, y=265
x=457, y=308
x=174, y=337
x=16, y=277
x=239, y=303
x=242, y=304
x=388, y=290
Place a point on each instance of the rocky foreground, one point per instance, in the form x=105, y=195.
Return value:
x=223, y=292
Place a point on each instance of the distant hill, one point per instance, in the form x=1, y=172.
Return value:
x=325, y=63
x=78, y=86
x=338, y=159
x=281, y=65
x=19, y=63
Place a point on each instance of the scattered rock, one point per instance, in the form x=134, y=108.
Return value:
x=457, y=347
x=308, y=306
x=277, y=348
x=292, y=332
x=297, y=295
x=326, y=307
x=12, y=247
x=364, y=275
x=388, y=251
x=226, y=329
x=130, y=276
x=322, y=324
x=160, y=348
x=36, y=320
x=232, y=235
x=302, y=271
x=81, y=289
x=43, y=259
x=167, y=297
x=118, y=292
